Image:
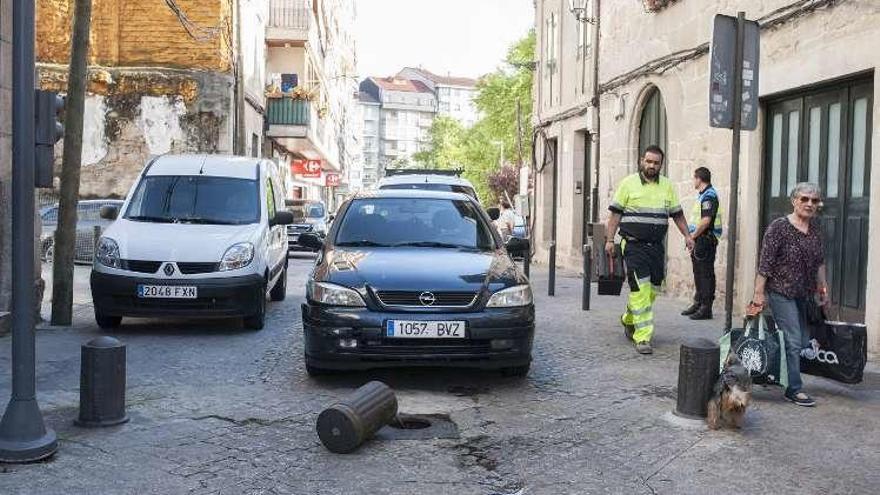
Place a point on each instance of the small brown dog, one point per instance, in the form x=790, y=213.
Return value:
x=731, y=395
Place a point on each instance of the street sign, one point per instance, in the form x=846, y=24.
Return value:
x=310, y=169
x=332, y=180
x=721, y=73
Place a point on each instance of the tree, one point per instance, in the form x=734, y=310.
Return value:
x=504, y=182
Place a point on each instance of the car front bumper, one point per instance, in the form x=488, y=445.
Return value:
x=117, y=295
x=495, y=338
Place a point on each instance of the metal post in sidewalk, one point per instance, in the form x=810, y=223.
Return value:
x=23, y=435
x=588, y=276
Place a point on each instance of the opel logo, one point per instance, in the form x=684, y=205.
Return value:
x=427, y=299
x=169, y=269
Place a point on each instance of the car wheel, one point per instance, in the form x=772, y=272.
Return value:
x=258, y=320
x=49, y=253
x=106, y=322
x=279, y=292
x=516, y=371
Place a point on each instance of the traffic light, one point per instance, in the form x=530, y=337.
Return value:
x=49, y=129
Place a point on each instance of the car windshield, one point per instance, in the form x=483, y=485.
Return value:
x=442, y=223
x=195, y=199
x=429, y=186
x=303, y=211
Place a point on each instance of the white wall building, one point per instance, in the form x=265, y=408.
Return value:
x=455, y=95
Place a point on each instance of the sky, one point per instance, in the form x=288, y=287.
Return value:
x=467, y=38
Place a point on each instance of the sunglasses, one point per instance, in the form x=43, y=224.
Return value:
x=805, y=199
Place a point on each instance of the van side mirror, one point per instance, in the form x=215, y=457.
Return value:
x=517, y=245
x=311, y=241
x=109, y=212
x=281, y=217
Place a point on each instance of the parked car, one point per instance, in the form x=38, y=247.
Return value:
x=88, y=217
x=411, y=278
x=198, y=236
x=436, y=180
x=308, y=216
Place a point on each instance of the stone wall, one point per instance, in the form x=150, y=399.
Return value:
x=132, y=114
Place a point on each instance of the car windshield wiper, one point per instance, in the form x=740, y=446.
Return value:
x=361, y=243
x=433, y=244
x=148, y=218
x=206, y=221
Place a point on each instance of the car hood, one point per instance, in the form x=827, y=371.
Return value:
x=177, y=242
x=418, y=269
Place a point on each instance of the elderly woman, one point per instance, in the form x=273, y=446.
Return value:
x=792, y=270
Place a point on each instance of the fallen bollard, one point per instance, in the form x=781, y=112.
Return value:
x=344, y=426
x=102, y=383
x=697, y=372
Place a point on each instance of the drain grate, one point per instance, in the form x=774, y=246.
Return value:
x=419, y=427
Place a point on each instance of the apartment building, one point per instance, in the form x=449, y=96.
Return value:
x=455, y=95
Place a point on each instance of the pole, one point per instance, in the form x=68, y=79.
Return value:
x=71, y=163
x=23, y=435
x=734, y=171
x=588, y=275
x=551, y=287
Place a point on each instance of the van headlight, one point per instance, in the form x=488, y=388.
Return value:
x=521, y=295
x=238, y=256
x=333, y=295
x=107, y=253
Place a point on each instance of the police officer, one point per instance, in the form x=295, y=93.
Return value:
x=705, y=228
x=642, y=206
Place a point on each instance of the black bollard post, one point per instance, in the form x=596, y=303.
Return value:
x=527, y=261
x=102, y=383
x=588, y=276
x=344, y=426
x=551, y=285
x=697, y=373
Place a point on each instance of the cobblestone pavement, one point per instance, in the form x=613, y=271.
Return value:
x=218, y=409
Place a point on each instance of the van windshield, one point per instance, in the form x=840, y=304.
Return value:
x=195, y=199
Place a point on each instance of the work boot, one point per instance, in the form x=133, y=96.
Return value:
x=644, y=347
x=703, y=313
x=628, y=330
x=691, y=309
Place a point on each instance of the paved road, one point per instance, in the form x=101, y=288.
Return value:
x=218, y=409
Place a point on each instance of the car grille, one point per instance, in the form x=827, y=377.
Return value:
x=141, y=266
x=299, y=229
x=411, y=298
x=196, y=268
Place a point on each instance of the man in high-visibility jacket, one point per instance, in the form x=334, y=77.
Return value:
x=642, y=206
x=704, y=225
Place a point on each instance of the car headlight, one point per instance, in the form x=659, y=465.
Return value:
x=333, y=295
x=238, y=256
x=107, y=253
x=521, y=295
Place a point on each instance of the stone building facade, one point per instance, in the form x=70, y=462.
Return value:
x=817, y=94
x=161, y=79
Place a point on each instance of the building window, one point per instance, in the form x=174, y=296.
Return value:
x=652, y=125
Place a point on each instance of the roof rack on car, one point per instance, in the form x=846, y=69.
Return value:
x=453, y=172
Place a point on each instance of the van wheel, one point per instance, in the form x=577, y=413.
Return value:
x=107, y=322
x=258, y=320
x=279, y=292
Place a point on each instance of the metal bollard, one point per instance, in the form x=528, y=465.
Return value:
x=588, y=277
x=527, y=261
x=102, y=383
x=551, y=285
x=344, y=426
x=697, y=374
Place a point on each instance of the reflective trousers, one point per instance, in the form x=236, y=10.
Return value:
x=645, y=266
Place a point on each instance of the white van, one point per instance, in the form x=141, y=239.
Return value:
x=198, y=236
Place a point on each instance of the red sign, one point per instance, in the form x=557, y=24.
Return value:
x=310, y=169
x=332, y=180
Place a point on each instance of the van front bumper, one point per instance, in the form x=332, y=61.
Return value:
x=117, y=295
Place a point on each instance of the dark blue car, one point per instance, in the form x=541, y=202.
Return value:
x=416, y=278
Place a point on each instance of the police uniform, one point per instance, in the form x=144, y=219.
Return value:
x=644, y=208
x=706, y=245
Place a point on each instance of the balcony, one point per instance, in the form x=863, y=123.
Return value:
x=288, y=112
x=295, y=125
x=289, y=21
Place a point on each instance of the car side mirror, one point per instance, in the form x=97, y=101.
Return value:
x=311, y=241
x=517, y=245
x=109, y=212
x=281, y=218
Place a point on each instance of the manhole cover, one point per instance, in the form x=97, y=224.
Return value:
x=419, y=427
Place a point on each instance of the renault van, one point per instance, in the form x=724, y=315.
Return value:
x=199, y=236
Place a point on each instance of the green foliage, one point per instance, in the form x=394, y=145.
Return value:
x=482, y=149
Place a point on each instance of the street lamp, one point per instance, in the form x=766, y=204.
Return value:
x=579, y=9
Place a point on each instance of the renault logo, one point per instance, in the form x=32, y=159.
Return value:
x=427, y=299
x=169, y=269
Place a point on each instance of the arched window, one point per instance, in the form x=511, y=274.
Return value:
x=652, y=125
